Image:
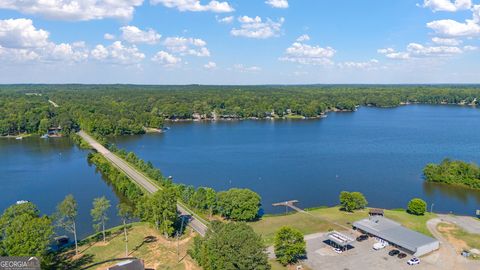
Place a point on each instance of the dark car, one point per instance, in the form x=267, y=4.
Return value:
x=402, y=255
x=394, y=252
x=362, y=237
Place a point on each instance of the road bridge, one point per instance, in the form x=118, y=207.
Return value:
x=195, y=222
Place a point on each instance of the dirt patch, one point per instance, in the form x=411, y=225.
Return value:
x=448, y=230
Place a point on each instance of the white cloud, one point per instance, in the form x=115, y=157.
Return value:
x=210, y=65
x=372, y=64
x=415, y=50
x=303, y=38
x=195, y=5
x=257, y=28
x=226, y=20
x=447, y=41
x=109, y=36
x=117, y=53
x=447, y=5
x=277, y=3
x=166, y=59
x=75, y=10
x=133, y=34
x=243, y=68
x=20, y=33
x=20, y=41
x=453, y=28
x=309, y=55
x=469, y=48
x=187, y=46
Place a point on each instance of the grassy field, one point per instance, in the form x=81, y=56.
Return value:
x=325, y=219
x=144, y=242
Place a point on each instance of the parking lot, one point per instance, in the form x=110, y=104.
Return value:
x=360, y=256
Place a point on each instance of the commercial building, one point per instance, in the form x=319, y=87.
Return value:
x=394, y=233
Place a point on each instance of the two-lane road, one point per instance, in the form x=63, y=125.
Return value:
x=139, y=178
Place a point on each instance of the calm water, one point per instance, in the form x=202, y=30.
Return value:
x=44, y=171
x=380, y=152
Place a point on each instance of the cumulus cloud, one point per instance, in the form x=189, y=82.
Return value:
x=277, y=3
x=446, y=41
x=187, y=46
x=243, y=68
x=74, y=10
x=210, y=65
x=257, y=28
x=303, y=38
x=166, y=59
x=21, y=41
x=109, y=36
x=447, y=5
x=117, y=53
x=452, y=28
x=415, y=50
x=195, y=5
x=226, y=20
x=133, y=34
x=308, y=55
x=372, y=64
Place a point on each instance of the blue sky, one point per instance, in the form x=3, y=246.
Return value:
x=239, y=42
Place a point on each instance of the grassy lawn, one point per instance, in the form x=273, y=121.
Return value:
x=325, y=219
x=144, y=243
x=278, y=266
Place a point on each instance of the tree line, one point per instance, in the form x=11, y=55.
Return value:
x=453, y=172
x=128, y=109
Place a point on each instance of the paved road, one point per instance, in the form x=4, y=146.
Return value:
x=195, y=222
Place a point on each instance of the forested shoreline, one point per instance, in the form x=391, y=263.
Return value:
x=453, y=172
x=131, y=109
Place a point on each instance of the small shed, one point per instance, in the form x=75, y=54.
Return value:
x=375, y=212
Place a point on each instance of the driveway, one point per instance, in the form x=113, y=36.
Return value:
x=469, y=224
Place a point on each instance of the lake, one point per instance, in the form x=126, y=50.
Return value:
x=379, y=152
x=44, y=171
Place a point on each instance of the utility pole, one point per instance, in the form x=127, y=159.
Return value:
x=431, y=208
x=178, y=239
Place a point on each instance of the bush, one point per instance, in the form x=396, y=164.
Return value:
x=417, y=207
x=352, y=201
x=289, y=245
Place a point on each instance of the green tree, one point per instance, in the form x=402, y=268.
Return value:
x=66, y=216
x=238, y=204
x=211, y=200
x=230, y=246
x=352, y=201
x=99, y=214
x=161, y=210
x=125, y=212
x=289, y=245
x=23, y=232
x=417, y=206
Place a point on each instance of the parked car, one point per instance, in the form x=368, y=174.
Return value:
x=338, y=250
x=362, y=237
x=379, y=245
x=394, y=252
x=413, y=261
x=402, y=255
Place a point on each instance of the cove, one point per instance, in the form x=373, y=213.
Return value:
x=379, y=152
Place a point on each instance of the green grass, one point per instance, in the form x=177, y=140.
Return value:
x=326, y=219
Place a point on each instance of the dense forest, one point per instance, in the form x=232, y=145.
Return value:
x=130, y=109
x=453, y=172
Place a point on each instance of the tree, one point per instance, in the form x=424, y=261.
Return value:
x=23, y=232
x=66, y=216
x=211, y=200
x=230, y=246
x=289, y=245
x=417, y=207
x=161, y=210
x=352, y=201
x=99, y=214
x=125, y=212
x=238, y=204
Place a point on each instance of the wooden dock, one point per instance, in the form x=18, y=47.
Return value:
x=290, y=204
